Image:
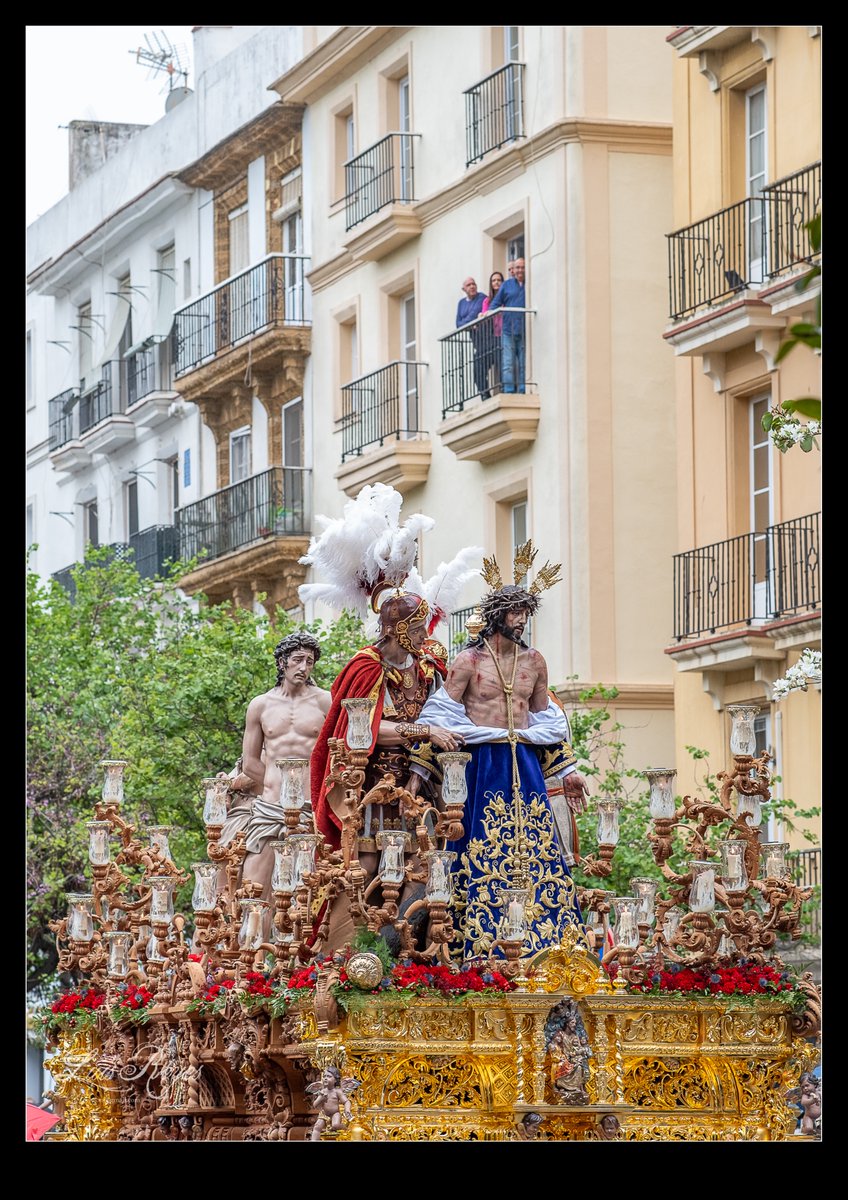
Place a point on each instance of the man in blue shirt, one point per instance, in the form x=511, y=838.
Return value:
x=511, y=295
x=467, y=311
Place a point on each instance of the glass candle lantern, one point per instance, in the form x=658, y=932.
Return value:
x=773, y=860
x=645, y=890
x=205, y=894
x=161, y=899
x=282, y=876
x=751, y=805
x=292, y=775
x=702, y=888
x=113, y=782
x=514, y=923
x=80, y=917
x=742, y=738
x=438, y=889
x=662, y=804
x=215, y=805
x=394, y=844
x=98, y=842
x=304, y=846
x=152, y=954
x=119, y=953
x=671, y=921
x=358, y=735
x=159, y=839
x=250, y=931
x=626, y=928
x=454, y=786
x=734, y=873
x=608, y=832
x=725, y=945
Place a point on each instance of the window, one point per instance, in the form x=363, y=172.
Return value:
x=348, y=350
x=240, y=455
x=30, y=525
x=293, y=266
x=84, y=342
x=408, y=354
x=404, y=126
x=761, y=499
x=239, y=241
x=519, y=530
x=131, y=507
x=186, y=469
x=186, y=279
x=90, y=530
x=30, y=396
x=755, y=179
x=293, y=434
x=345, y=148
x=510, y=43
x=173, y=469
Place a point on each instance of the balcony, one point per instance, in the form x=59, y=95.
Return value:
x=150, y=549
x=249, y=318
x=149, y=374
x=380, y=428
x=381, y=178
x=251, y=535
x=481, y=422
x=729, y=274
x=66, y=451
x=103, y=423
x=746, y=601
x=494, y=112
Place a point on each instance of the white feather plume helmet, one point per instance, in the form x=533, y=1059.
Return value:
x=367, y=546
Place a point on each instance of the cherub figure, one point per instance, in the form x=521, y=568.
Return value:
x=810, y=1101
x=331, y=1097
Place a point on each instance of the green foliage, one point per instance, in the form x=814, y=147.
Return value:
x=804, y=333
x=597, y=742
x=133, y=669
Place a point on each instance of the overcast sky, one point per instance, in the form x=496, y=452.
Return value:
x=86, y=72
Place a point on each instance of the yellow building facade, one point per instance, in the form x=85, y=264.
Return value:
x=747, y=599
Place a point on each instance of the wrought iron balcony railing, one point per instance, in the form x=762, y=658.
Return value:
x=275, y=502
x=268, y=295
x=63, y=418
x=384, y=404
x=383, y=174
x=494, y=112
x=747, y=243
x=472, y=359
x=806, y=866
x=150, y=549
x=150, y=369
x=749, y=578
x=105, y=399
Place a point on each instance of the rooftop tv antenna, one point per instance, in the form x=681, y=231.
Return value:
x=160, y=56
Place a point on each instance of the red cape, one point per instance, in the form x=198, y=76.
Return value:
x=38, y=1121
x=363, y=676
x=358, y=679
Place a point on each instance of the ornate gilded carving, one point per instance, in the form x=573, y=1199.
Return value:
x=661, y=1027
x=89, y=1101
x=668, y=1083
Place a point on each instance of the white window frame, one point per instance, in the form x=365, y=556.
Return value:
x=757, y=266
x=287, y=409
x=244, y=434
x=758, y=439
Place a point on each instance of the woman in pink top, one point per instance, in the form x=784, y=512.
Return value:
x=494, y=330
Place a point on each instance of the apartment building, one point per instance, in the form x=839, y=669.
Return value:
x=747, y=598
x=435, y=153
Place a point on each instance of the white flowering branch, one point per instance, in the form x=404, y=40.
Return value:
x=806, y=670
x=786, y=431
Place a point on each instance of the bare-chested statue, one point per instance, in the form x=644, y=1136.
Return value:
x=496, y=697
x=281, y=723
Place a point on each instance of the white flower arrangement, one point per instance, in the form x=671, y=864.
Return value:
x=805, y=671
x=786, y=431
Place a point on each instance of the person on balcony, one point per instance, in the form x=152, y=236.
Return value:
x=513, y=341
x=494, y=332
x=467, y=311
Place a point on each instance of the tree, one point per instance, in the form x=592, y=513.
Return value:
x=133, y=669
